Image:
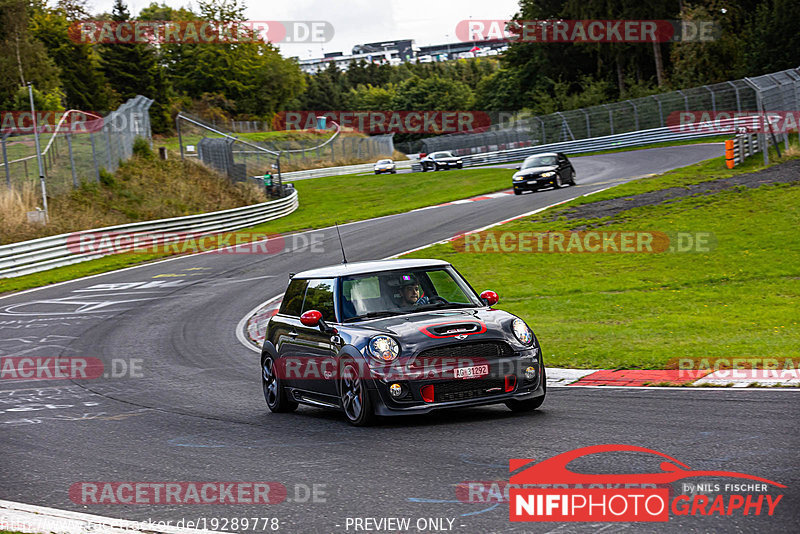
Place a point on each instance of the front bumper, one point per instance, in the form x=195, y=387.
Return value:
x=534, y=184
x=455, y=393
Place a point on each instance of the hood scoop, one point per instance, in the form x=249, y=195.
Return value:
x=454, y=329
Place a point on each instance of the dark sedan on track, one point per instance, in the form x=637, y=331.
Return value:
x=552, y=169
x=396, y=337
x=444, y=160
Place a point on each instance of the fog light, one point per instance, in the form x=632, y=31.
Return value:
x=530, y=373
x=396, y=390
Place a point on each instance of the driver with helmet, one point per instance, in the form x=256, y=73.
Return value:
x=410, y=291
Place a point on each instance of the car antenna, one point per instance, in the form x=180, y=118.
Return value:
x=344, y=258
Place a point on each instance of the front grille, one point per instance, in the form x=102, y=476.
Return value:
x=467, y=389
x=482, y=350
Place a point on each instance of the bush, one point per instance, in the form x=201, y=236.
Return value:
x=141, y=148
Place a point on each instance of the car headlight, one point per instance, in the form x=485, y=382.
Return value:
x=518, y=178
x=522, y=332
x=547, y=174
x=459, y=161
x=383, y=348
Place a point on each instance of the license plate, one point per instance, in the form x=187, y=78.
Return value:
x=471, y=372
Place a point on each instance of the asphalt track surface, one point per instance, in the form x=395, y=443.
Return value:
x=195, y=410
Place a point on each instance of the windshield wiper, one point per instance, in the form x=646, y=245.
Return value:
x=372, y=315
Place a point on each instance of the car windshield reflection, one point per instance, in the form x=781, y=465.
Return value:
x=388, y=293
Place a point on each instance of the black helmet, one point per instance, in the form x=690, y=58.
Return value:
x=408, y=280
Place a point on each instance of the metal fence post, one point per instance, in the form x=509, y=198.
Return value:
x=660, y=111
x=738, y=101
x=94, y=158
x=713, y=98
x=108, y=149
x=635, y=114
x=5, y=161
x=72, y=161
x=762, y=137
x=610, y=118
x=685, y=100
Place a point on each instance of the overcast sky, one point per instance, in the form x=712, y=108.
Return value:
x=361, y=21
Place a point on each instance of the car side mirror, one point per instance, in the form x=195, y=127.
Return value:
x=311, y=318
x=490, y=297
x=518, y=167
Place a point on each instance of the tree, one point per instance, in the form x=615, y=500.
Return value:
x=23, y=59
x=432, y=93
x=250, y=72
x=132, y=69
x=85, y=87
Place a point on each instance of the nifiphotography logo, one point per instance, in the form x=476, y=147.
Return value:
x=560, y=494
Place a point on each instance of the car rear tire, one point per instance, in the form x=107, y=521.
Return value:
x=354, y=397
x=559, y=183
x=517, y=406
x=274, y=393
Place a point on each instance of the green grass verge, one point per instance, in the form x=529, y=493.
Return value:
x=739, y=299
x=712, y=169
x=323, y=201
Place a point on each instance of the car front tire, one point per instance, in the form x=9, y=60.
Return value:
x=274, y=393
x=572, y=178
x=354, y=397
x=517, y=192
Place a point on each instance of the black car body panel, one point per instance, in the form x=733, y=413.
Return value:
x=532, y=178
x=433, y=344
x=440, y=161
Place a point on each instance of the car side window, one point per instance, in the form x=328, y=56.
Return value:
x=293, y=299
x=319, y=296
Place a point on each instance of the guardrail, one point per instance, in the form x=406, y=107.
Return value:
x=740, y=148
x=26, y=257
x=337, y=171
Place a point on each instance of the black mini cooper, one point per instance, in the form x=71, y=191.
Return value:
x=396, y=337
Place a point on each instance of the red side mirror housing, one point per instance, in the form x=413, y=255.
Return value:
x=490, y=297
x=311, y=318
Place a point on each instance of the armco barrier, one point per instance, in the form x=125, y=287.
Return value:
x=740, y=148
x=26, y=257
x=608, y=142
x=337, y=171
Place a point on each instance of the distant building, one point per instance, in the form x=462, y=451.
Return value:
x=404, y=50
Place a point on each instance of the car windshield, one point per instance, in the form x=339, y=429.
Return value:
x=539, y=161
x=387, y=293
x=384, y=161
x=438, y=155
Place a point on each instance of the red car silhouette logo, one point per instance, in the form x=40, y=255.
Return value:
x=554, y=470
